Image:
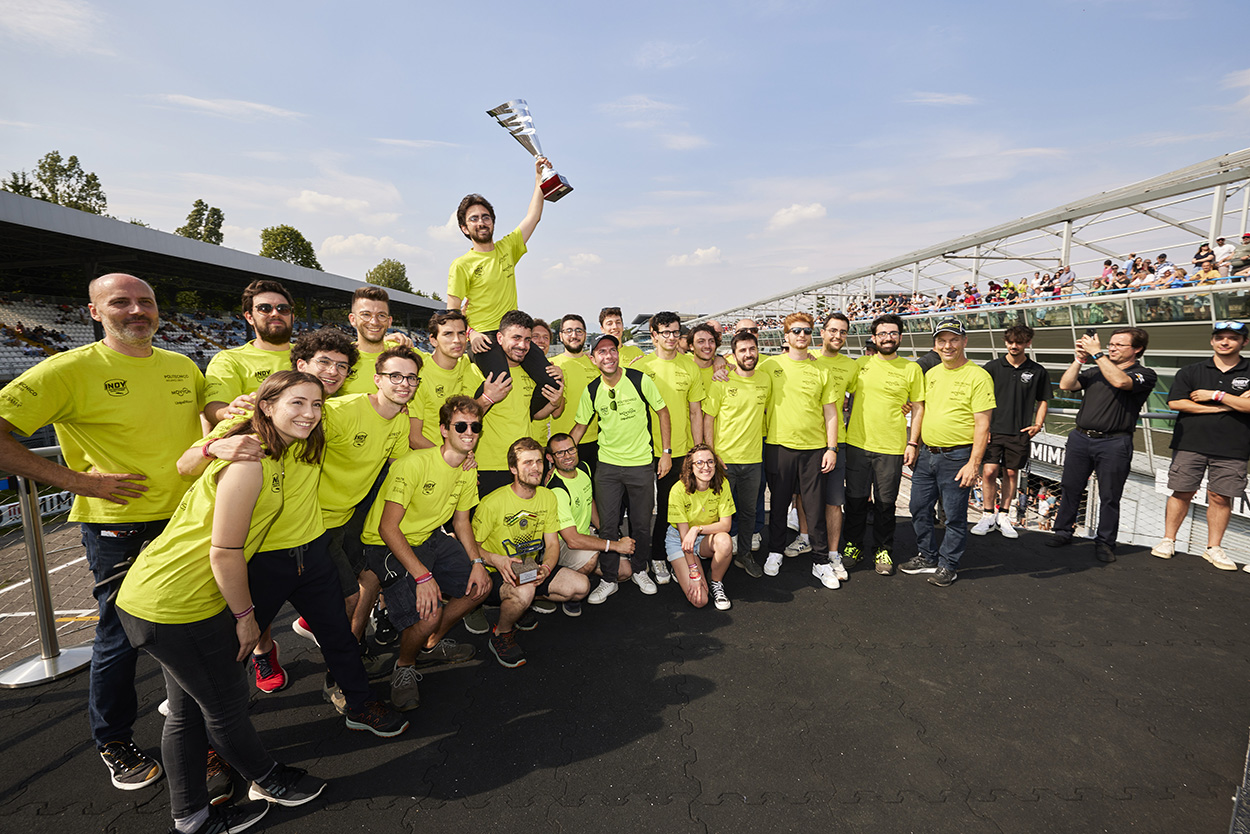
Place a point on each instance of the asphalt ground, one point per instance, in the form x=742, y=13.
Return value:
x=1043, y=691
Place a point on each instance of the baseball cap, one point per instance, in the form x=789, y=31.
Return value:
x=951, y=324
x=1235, y=326
x=604, y=337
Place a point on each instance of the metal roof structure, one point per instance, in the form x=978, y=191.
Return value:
x=41, y=242
x=1171, y=212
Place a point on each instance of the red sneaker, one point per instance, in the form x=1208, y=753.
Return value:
x=270, y=676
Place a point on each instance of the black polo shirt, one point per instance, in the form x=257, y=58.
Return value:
x=1223, y=435
x=1017, y=392
x=1107, y=408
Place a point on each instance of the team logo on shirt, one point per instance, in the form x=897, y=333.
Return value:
x=275, y=483
x=732, y=392
x=1026, y=377
x=438, y=392
x=180, y=392
x=778, y=373
x=359, y=439
x=1141, y=378
x=262, y=375
x=428, y=488
x=115, y=387
x=31, y=391
x=1241, y=383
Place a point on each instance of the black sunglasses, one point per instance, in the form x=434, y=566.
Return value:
x=267, y=308
x=462, y=426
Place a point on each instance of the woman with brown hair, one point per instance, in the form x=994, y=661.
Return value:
x=700, y=511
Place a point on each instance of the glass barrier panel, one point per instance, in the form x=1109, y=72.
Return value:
x=1049, y=316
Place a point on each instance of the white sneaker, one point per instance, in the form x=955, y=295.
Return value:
x=792, y=519
x=719, y=597
x=643, y=580
x=1004, y=527
x=604, y=590
x=798, y=547
x=985, y=525
x=1216, y=556
x=757, y=541
x=163, y=707
x=660, y=569
x=733, y=545
x=1165, y=549
x=838, y=569
x=826, y=575
x=772, y=565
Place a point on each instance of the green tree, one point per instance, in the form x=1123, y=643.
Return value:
x=61, y=181
x=390, y=274
x=436, y=296
x=285, y=243
x=203, y=223
x=188, y=300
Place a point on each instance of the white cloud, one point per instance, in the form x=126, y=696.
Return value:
x=448, y=231
x=576, y=264
x=243, y=238
x=362, y=244
x=941, y=99
x=1241, y=78
x=584, y=259
x=795, y=214
x=62, y=25
x=636, y=104
x=419, y=144
x=314, y=202
x=1157, y=139
x=664, y=55
x=7, y=123
x=226, y=107
x=701, y=257
x=800, y=270
x=683, y=141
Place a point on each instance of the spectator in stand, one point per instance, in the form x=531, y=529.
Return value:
x=1202, y=257
x=1223, y=254
x=1208, y=274
x=1162, y=262
x=1238, y=264
x=1179, y=277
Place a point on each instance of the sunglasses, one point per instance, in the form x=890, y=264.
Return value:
x=266, y=308
x=462, y=426
x=612, y=398
x=804, y=331
x=754, y=331
x=1235, y=326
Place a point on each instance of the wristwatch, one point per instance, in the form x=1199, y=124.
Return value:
x=667, y=451
x=1099, y=355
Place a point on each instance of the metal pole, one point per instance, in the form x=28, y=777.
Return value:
x=1218, y=197
x=1066, y=259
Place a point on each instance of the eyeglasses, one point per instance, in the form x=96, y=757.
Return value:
x=480, y=218
x=564, y=452
x=704, y=464
x=569, y=331
x=889, y=334
x=397, y=378
x=754, y=331
x=326, y=364
x=372, y=316
x=801, y=331
x=266, y=308
x=668, y=334
x=1237, y=326
x=462, y=426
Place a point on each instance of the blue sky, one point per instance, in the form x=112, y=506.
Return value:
x=720, y=152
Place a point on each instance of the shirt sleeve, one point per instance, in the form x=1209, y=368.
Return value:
x=697, y=393
x=399, y=484
x=222, y=383
x=983, y=393
x=677, y=501
x=727, y=507
x=712, y=402
x=36, y=398
x=1182, y=385
x=585, y=408
x=1044, y=391
x=457, y=280
x=468, y=495
x=652, y=394
x=915, y=391
x=1144, y=380
x=564, y=508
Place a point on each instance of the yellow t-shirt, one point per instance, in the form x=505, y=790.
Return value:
x=114, y=413
x=702, y=507
x=488, y=281
x=300, y=520
x=705, y=375
x=507, y=524
x=507, y=422
x=951, y=399
x=629, y=355
x=841, y=369
x=796, y=417
x=622, y=414
x=360, y=377
x=241, y=370
x=436, y=386
x=880, y=388
x=680, y=384
x=359, y=441
x=172, y=580
x=430, y=492
x=740, y=406
x=578, y=373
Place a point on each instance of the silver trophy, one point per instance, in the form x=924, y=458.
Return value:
x=514, y=117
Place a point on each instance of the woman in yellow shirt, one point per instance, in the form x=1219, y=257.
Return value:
x=700, y=511
x=186, y=602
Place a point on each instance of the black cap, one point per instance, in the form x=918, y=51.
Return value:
x=950, y=323
x=604, y=337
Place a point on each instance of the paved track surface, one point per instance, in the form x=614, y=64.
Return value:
x=1043, y=691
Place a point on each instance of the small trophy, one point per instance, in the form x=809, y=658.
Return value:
x=527, y=571
x=514, y=117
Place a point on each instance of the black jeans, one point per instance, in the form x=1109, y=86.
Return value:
x=744, y=485
x=793, y=471
x=208, y=696
x=663, y=486
x=612, y=483
x=535, y=363
x=1110, y=458
x=875, y=475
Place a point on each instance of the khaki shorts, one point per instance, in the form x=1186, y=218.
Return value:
x=1225, y=476
x=575, y=559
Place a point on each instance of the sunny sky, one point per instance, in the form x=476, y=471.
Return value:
x=720, y=152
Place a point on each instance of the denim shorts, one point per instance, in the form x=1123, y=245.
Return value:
x=672, y=544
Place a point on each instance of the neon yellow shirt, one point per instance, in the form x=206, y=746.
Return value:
x=740, y=406
x=952, y=398
x=430, y=492
x=629, y=355
x=507, y=422
x=880, y=388
x=359, y=441
x=841, y=369
x=623, y=436
x=241, y=370
x=680, y=384
x=801, y=389
x=507, y=524
x=578, y=372
x=575, y=499
x=360, y=377
x=702, y=507
x=114, y=413
x=437, y=385
x=488, y=281
x=172, y=580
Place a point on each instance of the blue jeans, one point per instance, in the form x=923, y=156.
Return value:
x=932, y=479
x=111, y=701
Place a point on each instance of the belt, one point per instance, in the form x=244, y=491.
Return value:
x=1098, y=435
x=941, y=450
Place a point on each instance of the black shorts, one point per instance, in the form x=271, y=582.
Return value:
x=1009, y=450
x=496, y=583
x=442, y=555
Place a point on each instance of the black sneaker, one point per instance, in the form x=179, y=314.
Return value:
x=377, y=718
x=747, y=563
x=505, y=649
x=129, y=767
x=1059, y=540
x=383, y=632
x=543, y=606
x=220, y=785
x=572, y=608
x=377, y=666
x=227, y=819
x=918, y=564
x=528, y=621
x=851, y=555
x=445, y=651
x=943, y=577
x=287, y=786
x=1104, y=553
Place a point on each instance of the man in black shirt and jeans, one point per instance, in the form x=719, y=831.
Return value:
x=1116, y=387
x=1022, y=391
x=1212, y=436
